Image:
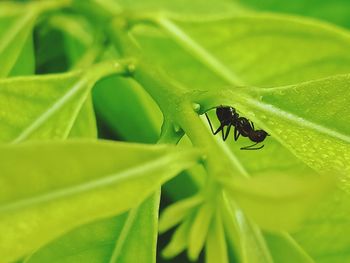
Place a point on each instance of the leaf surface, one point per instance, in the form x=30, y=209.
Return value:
x=336, y=11
x=44, y=107
x=127, y=109
x=93, y=242
x=245, y=238
x=16, y=24
x=263, y=50
x=259, y=50
x=83, y=186
x=310, y=119
x=278, y=202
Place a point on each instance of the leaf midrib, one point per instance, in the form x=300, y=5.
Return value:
x=12, y=32
x=253, y=103
x=54, y=108
x=132, y=173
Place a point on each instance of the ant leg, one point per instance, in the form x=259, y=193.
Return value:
x=227, y=132
x=237, y=133
x=211, y=127
x=252, y=125
x=250, y=147
x=221, y=128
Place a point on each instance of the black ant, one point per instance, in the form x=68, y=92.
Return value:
x=229, y=117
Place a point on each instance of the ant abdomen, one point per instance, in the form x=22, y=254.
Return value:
x=258, y=136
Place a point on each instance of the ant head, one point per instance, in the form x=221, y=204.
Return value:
x=225, y=113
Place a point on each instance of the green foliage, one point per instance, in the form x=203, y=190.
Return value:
x=84, y=186
x=139, y=64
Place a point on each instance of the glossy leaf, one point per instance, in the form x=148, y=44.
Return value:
x=199, y=230
x=179, y=239
x=280, y=246
x=244, y=236
x=278, y=202
x=281, y=50
x=25, y=63
x=138, y=241
x=317, y=111
x=336, y=11
x=107, y=240
x=44, y=107
x=223, y=60
x=325, y=234
x=175, y=213
x=193, y=8
x=216, y=248
x=85, y=122
x=93, y=243
x=303, y=118
x=128, y=110
x=83, y=186
x=16, y=24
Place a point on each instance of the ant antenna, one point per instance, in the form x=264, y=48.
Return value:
x=250, y=147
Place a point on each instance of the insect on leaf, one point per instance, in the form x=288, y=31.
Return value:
x=310, y=118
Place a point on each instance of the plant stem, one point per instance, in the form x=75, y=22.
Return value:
x=104, y=69
x=175, y=103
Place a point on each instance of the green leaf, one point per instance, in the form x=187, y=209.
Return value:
x=279, y=202
x=336, y=11
x=180, y=238
x=282, y=159
x=25, y=63
x=325, y=234
x=138, y=241
x=183, y=7
x=127, y=109
x=256, y=49
x=216, y=248
x=85, y=123
x=175, y=213
x=306, y=118
x=84, y=185
x=245, y=237
x=16, y=24
x=310, y=118
x=103, y=240
x=262, y=50
x=46, y=107
x=93, y=243
x=199, y=230
x=280, y=245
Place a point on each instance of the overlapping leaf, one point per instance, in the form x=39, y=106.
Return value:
x=260, y=50
x=119, y=235
x=264, y=50
x=16, y=24
x=336, y=11
x=44, y=107
x=278, y=202
x=87, y=184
